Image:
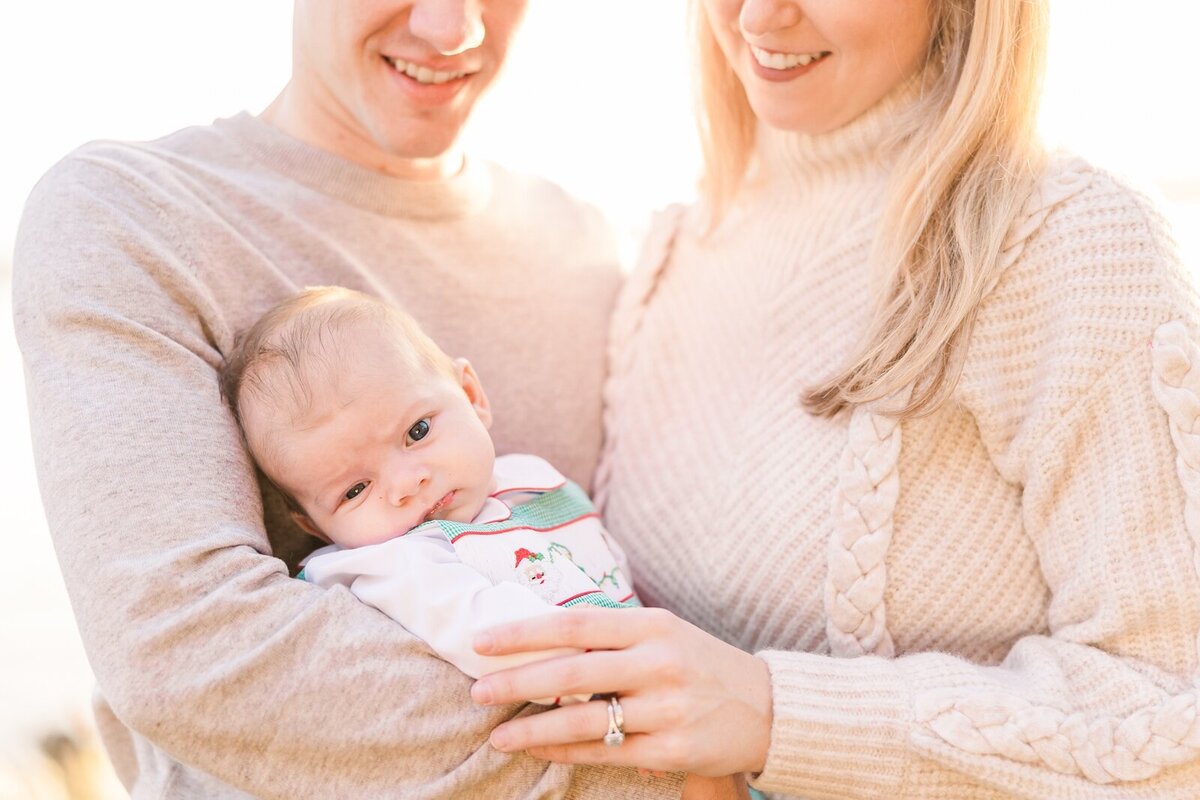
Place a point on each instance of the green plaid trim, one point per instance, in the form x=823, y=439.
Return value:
x=545, y=512
x=602, y=600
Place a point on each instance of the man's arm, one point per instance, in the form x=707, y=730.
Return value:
x=200, y=640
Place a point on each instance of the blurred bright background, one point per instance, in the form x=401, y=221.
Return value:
x=596, y=97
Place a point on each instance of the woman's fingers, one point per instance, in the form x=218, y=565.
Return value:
x=575, y=735
x=586, y=628
x=582, y=722
x=597, y=672
x=691, y=702
x=662, y=751
x=630, y=754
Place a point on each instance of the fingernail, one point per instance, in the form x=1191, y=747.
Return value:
x=499, y=740
x=481, y=693
x=484, y=643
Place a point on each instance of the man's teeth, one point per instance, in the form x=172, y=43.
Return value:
x=424, y=74
x=784, y=60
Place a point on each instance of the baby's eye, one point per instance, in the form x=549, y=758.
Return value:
x=419, y=431
x=356, y=490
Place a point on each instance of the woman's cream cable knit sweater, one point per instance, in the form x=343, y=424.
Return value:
x=999, y=600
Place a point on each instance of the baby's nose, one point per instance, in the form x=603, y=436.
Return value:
x=407, y=485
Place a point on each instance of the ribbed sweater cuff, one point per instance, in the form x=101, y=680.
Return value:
x=840, y=727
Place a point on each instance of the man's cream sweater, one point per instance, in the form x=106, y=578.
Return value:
x=998, y=600
x=219, y=675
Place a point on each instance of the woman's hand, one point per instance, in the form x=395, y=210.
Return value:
x=691, y=702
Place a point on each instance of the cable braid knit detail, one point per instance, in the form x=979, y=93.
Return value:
x=1103, y=749
x=1062, y=181
x=869, y=484
x=867, y=488
x=627, y=319
x=1177, y=387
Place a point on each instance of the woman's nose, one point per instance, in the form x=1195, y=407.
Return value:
x=450, y=26
x=760, y=17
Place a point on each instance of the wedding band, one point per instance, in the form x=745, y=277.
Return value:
x=616, y=724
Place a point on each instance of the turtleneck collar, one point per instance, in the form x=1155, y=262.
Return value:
x=460, y=195
x=865, y=143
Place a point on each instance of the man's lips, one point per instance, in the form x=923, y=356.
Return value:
x=430, y=74
x=426, y=87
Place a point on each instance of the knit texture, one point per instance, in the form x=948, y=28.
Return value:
x=998, y=600
x=219, y=675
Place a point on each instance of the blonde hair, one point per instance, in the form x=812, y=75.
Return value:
x=294, y=344
x=970, y=163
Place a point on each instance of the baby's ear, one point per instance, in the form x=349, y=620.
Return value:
x=305, y=523
x=474, y=390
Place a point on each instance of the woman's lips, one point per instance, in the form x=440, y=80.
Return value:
x=780, y=75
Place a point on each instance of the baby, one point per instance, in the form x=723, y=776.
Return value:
x=379, y=441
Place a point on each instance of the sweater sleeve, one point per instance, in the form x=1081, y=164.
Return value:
x=1105, y=443
x=199, y=639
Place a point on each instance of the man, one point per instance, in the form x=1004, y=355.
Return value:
x=219, y=675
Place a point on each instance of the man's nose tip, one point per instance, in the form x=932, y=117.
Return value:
x=468, y=37
x=451, y=27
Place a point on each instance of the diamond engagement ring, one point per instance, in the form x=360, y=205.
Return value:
x=616, y=724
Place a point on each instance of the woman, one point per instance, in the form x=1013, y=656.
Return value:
x=904, y=408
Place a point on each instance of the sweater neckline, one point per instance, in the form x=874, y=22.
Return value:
x=869, y=140
x=460, y=195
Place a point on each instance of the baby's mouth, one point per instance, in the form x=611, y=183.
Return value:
x=438, y=506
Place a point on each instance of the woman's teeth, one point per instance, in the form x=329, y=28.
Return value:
x=424, y=74
x=771, y=60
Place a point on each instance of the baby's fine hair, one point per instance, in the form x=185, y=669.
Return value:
x=294, y=345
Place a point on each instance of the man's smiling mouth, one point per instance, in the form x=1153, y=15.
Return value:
x=425, y=75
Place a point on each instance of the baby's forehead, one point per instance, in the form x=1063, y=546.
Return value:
x=331, y=371
x=291, y=411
